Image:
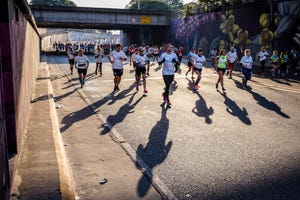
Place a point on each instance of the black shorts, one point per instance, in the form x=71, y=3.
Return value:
x=82, y=71
x=197, y=70
x=140, y=70
x=71, y=61
x=190, y=64
x=118, y=72
x=221, y=69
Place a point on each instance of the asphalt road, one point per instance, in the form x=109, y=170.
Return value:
x=242, y=144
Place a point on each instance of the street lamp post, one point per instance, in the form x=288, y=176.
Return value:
x=139, y=4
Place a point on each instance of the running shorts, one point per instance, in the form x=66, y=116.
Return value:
x=140, y=70
x=82, y=71
x=221, y=69
x=118, y=72
x=231, y=66
x=197, y=70
x=71, y=61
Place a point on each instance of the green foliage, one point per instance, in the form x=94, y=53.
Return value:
x=53, y=2
x=161, y=5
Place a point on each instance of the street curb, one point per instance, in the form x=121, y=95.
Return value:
x=67, y=187
x=161, y=188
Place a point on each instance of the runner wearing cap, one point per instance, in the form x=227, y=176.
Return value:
x=198, y=62
x=139, y=63
x=116, y=58
x=82, y=64
x=170, y=63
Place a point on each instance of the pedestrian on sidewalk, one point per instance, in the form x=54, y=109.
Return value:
x=221, y=63
x=82, y=64
x=116, y=58
x=263, y=54
x=199, y=62
x=247, y=63
x=170, y=65
x=232, y=59
x=99, y=59
x=139, y=63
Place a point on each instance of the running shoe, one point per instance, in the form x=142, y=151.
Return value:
x=223, y=89
x=115, y=88
x=118, y=88
x=137, y=88
x=196, y=87
x=145, y=91
x=217, y=85
x=169, y=103
x=164, y=98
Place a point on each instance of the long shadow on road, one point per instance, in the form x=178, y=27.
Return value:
x=201, y=108
x=270, y=105
x=122, y=113
x=262, y=101
x=87, y=111
x=233, y=109
x=155, y=152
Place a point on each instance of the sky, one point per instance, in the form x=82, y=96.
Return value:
x=107, y=3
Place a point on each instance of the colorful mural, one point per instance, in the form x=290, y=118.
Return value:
x=243, y=28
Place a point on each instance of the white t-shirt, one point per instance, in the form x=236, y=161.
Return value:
x=199, y=61
x=262, y=55
x=82, y=61
x=168, y=65
x=140, y=60
x=117, y=56
x=99, y=55
x=247, y=62
x=231, y=56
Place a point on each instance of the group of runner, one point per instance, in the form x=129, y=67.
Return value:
x=170, y=62
x=280, y=62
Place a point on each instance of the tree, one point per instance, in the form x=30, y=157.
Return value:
x=53, y=2
x=156, y=4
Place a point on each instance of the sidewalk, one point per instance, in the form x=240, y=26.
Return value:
x=64, y=156
x=41, y=171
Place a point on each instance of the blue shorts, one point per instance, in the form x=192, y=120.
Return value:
x=247, y=73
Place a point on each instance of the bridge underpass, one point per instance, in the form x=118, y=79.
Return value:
x=138, y=26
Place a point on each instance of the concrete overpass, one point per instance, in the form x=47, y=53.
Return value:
x=98, y=18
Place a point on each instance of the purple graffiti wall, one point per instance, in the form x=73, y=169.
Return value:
x=243, y=28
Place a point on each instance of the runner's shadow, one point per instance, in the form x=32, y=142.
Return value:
x=233, y=109
x=88, y=111
x=155, y=151
x=270, y=105
x=122, y=113
x=280, y=82
x=202, y=110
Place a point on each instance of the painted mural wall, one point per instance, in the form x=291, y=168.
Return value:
x=244, y=28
